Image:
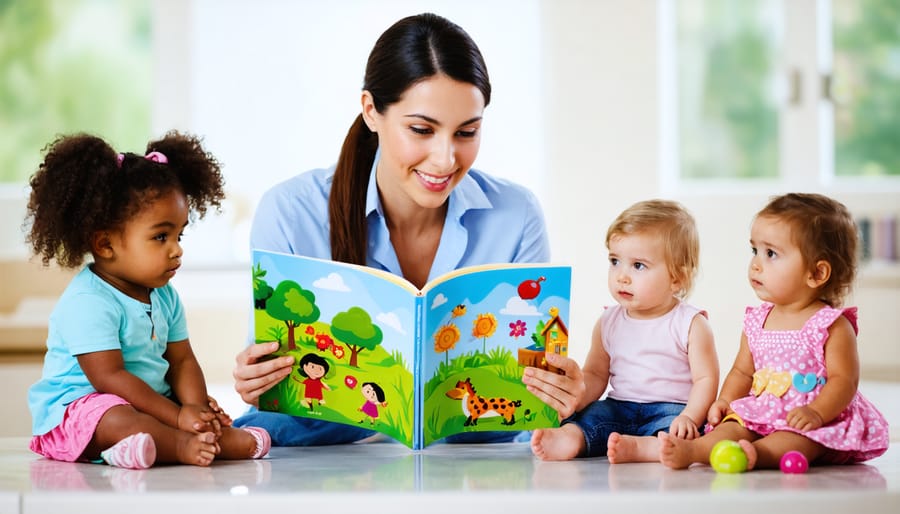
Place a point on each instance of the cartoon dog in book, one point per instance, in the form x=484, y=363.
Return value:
x=475, y=406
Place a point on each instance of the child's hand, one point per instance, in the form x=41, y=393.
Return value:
x=804, y=419
x=717, y=411
x=198, y=418
x=684, y=428
x=222, y=418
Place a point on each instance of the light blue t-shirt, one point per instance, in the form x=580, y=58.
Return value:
x=489, y=220
x=92, y=316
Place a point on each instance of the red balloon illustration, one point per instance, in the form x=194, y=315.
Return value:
x=529, y=289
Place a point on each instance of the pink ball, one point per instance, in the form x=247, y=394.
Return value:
x=794, y=462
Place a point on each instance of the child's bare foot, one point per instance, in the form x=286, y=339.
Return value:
x=627, y=448
x=563, y=443
x=244, y=443
x=197, y=449
x=674, y=452
x=750, y=452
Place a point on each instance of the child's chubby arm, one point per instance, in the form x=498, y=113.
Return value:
x=736, y=385
x=189, y=386
x=842, y=367
x=596, y=369
x=704, y=364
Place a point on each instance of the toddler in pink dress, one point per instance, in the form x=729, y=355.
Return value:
x=793, y=385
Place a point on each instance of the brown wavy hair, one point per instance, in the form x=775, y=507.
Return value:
x=824, y=230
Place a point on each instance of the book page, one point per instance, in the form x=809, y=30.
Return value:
x=482, y=328
x=351, y=333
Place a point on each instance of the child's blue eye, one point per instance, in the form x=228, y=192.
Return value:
x=613, y=261
x=640, y=266
x=770, y=254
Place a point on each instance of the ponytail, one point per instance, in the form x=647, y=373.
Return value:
x=347, y=202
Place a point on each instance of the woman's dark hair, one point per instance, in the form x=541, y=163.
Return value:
x=379, y=392
x=84, y=186
x=311, y=358
x=410, y=51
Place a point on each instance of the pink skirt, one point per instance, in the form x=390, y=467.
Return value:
x=67, y=441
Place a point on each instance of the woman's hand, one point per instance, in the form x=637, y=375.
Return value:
x=254, y=375
x=562, y=392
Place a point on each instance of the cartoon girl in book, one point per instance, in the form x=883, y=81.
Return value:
x=374, y=395
x=313, y=368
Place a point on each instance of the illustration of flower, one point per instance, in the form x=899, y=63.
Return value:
x=323, y=341
x=484, y=326
x=310, y=330
x=517, y=329
x=445, y=339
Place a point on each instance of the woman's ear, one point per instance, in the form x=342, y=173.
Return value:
x=369, y=113
x=101, y=244
x=819, y=275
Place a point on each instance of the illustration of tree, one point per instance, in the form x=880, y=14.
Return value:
x=293, y=305
x=539, y=340
x=354, y=328
x=445, y=339
x=484, y=327
x=262, y=291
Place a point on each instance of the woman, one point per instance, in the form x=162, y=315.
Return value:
x=402, y=198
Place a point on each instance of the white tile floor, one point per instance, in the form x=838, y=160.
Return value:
x=386, y=477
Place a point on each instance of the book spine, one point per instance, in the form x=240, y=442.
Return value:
x=418, y=386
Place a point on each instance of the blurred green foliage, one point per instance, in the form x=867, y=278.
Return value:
x=728, y=115
x=72, y=66
x=729, y=66
x=867, y=87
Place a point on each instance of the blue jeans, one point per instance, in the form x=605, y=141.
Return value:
x=603, y=417
x=287, y=430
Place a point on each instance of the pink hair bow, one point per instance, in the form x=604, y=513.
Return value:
x=157, y=157
x=152, y=156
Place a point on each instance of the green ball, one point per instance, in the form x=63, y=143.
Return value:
x=728, y=457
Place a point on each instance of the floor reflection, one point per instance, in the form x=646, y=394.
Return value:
x=393, y=468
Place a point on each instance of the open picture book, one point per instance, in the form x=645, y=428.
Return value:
x=373, y=351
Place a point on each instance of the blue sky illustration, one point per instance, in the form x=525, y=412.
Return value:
x=391, y=305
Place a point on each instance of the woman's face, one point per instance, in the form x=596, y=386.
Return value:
x=428, y=141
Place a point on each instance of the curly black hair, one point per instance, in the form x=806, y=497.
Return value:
x=83, y=186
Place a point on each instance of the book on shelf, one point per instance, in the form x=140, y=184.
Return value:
x=371, y=350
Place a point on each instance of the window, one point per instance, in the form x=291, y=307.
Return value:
x=799, y=92
x=62, y=74
x=865, y=91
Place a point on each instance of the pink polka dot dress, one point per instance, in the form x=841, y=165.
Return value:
x=790, y=372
